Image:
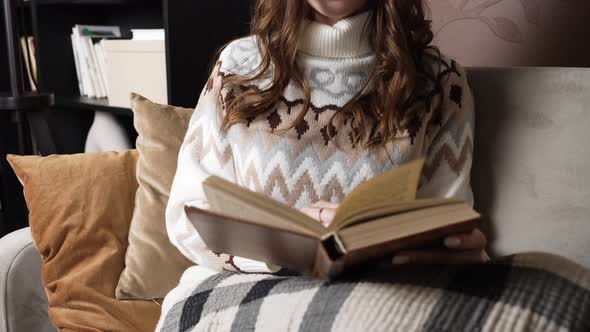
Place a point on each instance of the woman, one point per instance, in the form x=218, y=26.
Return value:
x=323, y=95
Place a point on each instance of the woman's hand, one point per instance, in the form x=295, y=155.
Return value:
x=466, y=248
x=321, y=211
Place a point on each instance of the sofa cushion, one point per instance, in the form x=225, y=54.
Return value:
x=23, y=303
x=532, y=159
x=161, y=130
x=80, y=208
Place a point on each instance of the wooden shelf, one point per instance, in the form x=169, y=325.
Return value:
x=90, y=104
x=86, y=2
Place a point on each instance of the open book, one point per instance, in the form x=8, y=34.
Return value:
x=377, y=218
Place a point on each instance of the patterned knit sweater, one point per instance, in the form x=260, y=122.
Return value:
x=305, y=164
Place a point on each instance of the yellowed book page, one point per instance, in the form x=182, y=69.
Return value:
x=225, y=196
x=395, y=185
x=389, y=209
x=400, y=226
x=228, y=205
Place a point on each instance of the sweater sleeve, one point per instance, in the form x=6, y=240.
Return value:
x=205, y=151
x=450, y=141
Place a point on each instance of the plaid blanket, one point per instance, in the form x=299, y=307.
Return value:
x=528, y=292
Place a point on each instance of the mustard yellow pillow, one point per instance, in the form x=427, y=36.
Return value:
x=80, y=208
x=153, y=266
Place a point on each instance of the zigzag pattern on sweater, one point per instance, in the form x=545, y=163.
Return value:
x=292, y=195
x=293, y=178
x=308, y=171
x=302, y=174
x=454, y=150
x=203, y=145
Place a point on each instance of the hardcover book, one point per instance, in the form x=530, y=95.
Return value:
x=376, y=219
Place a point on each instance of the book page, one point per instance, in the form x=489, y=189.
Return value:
x=226, y=197
x=396, y=185
x=432, y=220
x=228, y=205
x=391, y=208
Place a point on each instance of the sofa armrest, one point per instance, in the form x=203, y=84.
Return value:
x=23, y=302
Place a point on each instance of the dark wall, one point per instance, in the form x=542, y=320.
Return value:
x=11, y=201
x=13, y=212
x=195, y=32
x=4, y=83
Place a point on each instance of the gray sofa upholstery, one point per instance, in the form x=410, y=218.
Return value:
x=23, y=303
x=530, y=179
x=531, y=167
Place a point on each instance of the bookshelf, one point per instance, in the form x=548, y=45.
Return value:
x=185, y=22
x=55, y=18
x=188, y=61
x=195, y=30
x=90, y=104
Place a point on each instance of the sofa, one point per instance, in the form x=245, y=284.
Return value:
x=530, y=180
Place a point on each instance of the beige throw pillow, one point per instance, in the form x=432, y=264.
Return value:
x=153, y=266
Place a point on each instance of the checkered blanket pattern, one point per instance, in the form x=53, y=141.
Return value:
x=526, y=292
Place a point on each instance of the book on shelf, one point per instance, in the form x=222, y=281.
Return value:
x=98, y=31
x=376, y=219
x=102, y=65
x=89, y=59
x=30, y=60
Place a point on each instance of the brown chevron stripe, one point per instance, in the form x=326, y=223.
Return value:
x=277, y=179
x=203, y=146
x=250, y=179
x=446, y=153
x=333, y=189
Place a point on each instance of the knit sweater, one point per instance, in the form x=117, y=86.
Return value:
x=305, y=164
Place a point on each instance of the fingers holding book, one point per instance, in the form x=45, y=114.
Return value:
x=322, y=211
x=465, y=248
x=467, y=241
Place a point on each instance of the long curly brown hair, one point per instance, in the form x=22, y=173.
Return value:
x=404, y=85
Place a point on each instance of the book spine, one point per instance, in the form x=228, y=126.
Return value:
x=102, y=65
x=92, y=86
x=33, y=57
x=28, y=60
x=77, y=63
x=101, y=92
x=87, y=89
x=92, y=66
x=324, y=266
x=99, y=31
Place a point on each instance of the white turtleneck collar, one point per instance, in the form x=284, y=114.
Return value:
x=341, y=40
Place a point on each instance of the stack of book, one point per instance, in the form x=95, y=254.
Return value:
x=91, y=54
x=90, y=58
